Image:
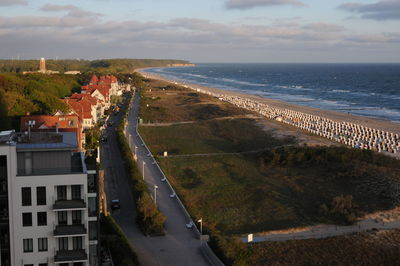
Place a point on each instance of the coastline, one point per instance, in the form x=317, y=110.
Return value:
x=371, y=122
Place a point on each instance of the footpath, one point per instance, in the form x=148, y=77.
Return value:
x=324, y=230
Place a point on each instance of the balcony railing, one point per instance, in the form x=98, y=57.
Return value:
x=70, y=230
x=64, y=256
x=69, y=204
x=76, y=167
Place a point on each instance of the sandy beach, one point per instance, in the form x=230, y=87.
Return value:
x=336, y=116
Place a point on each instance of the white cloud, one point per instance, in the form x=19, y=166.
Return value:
x=382, y=10
x=203, y=40
x=247, y=4
x=13, y=3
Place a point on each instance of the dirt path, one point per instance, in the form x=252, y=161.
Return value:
x=385, y=220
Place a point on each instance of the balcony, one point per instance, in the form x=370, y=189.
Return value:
x=74, y=165
x=66, y=256
x=73, y=204
x=70, y=230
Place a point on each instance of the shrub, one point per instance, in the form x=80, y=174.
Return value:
x=115, y=240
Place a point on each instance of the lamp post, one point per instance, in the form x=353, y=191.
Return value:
x=143, y=169
x=201, y=225
x=155, y=195
x=130, y=140
x=136, y=150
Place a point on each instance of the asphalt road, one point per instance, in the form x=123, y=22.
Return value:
x=180, y=246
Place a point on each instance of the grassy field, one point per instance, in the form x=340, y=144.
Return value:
x=245, y=193
x=380, y=248
x=211, y=136
x=282, y=185
x=168, y=103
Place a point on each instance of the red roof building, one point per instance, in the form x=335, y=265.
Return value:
x=49, y=123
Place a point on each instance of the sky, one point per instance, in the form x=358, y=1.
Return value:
x=278, y=31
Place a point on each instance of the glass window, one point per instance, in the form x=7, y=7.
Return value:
x=41, y=195
x=63, y=243
x=76, y=192
x=26, y=196
x=76, y=217
x=62, y=218
x=92, y=230
x=92, y=183
x=76, y=242
x=41, y=218
x=42, y=244
x=92, y=206
x=26, y=219
x=28, y=245
x=61, y=192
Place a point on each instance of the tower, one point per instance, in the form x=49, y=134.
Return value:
x=42, y=65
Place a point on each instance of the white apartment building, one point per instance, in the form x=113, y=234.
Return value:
x=48, y=201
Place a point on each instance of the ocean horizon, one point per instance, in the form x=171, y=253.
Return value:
x=365, y=89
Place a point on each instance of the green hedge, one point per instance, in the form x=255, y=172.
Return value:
x=149, y=218
x=115, y=240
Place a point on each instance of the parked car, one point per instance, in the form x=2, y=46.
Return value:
x=104, y=139
x=189, y=225
x=115, y=204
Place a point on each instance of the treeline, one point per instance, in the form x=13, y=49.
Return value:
x=102, y=66
x=33, y=93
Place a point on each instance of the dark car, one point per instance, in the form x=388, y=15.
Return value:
x=104, y=139
x=115, y=205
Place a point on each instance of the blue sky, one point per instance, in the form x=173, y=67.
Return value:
x=203, y=31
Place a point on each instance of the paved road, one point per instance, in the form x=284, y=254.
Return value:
x=180, y=246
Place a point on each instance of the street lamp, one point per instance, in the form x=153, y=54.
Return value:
x=143, y=169
x=155, y=195
x=135, y=150
x=201, y=225
x=130, y=140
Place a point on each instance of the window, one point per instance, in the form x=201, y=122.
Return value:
x=28, y=264
x=41, y=218
x=92, y=230
x=62, y=218
x=28, y=245
x=92, y=206
x=26, y=196
x=41, y=195
x=26, y=219
x=43, y=264
x=63, y=243
x=76, y=217
x=76, y=192
x=42, y=244
x=61, y=192
x=76, y=242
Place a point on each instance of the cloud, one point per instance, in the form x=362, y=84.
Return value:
x=183, y=38
x=247, y=4
x=13, y=2
x=73, y=11
x=382, y=10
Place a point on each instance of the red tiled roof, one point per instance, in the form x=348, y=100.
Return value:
x=93, y=80
x=85, y=96
x=49, y=122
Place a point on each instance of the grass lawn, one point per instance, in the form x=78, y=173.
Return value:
x=212, y=136
x=244, y=194
x=166, y=103
x=381, y=248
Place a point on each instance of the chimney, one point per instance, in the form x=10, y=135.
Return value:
x=57, y=127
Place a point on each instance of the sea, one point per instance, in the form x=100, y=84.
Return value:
x=371, y=90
